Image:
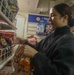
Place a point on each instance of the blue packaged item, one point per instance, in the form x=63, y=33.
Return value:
x=40, y=28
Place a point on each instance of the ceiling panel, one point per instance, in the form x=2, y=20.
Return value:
x=40, y=6
x=27, y=5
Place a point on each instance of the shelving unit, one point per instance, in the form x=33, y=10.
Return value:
x=9, y=58
x=6, y=61
x=7, y=18
x=7, y=25
x=5, y=55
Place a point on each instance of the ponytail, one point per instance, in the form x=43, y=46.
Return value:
x=71, y=21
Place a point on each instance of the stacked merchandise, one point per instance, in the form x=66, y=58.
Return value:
x=5, y=51
x=13, y=5
x=9, y=8
x=6, y=38
x=5, y=48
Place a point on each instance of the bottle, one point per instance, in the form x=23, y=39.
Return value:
x=3, y=42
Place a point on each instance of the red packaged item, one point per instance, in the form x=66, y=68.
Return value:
x=23, y=62
x=32, y=40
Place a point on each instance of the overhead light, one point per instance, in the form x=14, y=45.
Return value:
x=44, y=10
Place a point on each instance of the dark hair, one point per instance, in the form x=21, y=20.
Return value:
x=64, y=9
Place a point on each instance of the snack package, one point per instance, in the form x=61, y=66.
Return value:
x=23, y=62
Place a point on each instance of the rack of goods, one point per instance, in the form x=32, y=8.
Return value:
x=8, y=11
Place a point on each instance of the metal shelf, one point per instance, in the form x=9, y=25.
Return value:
x=9, y=58
x=6, y=61
x=8, y=25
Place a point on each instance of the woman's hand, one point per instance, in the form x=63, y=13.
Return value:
x=29, y=51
